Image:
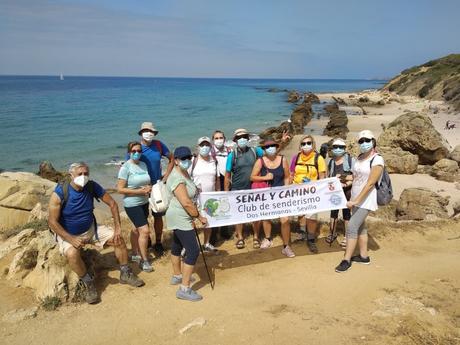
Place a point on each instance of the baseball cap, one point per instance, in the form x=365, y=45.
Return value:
x=203, y=140
x=366, y=134
x=182, y=152
x=149, y=126
x=338, y=142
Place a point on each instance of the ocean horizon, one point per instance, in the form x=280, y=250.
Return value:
x=93, y=118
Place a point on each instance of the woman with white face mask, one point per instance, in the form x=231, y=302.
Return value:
x=204, y=173
x=308, y=165
x=134, y=184
x=367, y=171
x=181, y=212
x=274, y=170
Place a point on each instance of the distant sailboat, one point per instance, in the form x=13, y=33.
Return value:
x=61, y=77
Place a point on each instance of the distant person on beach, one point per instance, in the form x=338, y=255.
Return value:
x=181, y=212
x=340, y=166
x=134, y=183
x=273, y=169
x=219, y=152
x=152, y=152
x=238, y=176
x=367, y=171
x=72, y=220
x=308, y=165
x=204, y=173
x=447, y=125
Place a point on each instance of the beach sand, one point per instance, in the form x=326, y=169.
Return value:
x=408, y=295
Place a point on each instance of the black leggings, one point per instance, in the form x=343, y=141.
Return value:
x=186, y=239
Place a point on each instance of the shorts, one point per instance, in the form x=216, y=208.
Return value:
x=138, y=214
x=346, y=214
x=312, y=216
x=104, y=233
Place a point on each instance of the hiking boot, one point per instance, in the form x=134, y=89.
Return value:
x=91, y=296
x=361, y=260
x=188, y=295
x=146, y=266
x=288, y=252
x=266, y=243
x=136, y=258
x=311, y=244
x=128, y=277
x=343, y=266
x=209, y=248
x=159, y=249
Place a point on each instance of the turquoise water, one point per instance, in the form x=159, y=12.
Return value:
x=93, y=118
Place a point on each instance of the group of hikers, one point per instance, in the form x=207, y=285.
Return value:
x=213, y=167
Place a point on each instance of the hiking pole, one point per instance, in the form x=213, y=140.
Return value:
x=334, y=223
x=204, y=259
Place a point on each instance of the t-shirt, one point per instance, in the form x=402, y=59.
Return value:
x=77, y=214
x=152, y=158
x=221, y=157
x=305, y=167
x=177, y=217
x=241, y=172
x=204, y=174
x=136, y=176
x=229, y=163
x=361, y=171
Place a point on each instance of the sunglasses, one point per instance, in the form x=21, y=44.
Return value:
x=364, y=140
x=186, y=158
x=138, y=151
x=338, y=147
x=273, y=145
x=306, y=143
x=204, y=144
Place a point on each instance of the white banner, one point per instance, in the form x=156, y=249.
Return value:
x=243, y=206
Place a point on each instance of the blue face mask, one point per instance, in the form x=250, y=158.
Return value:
x=136, y=156
x=242, y=143
x=270, y=151
x=184, y=165
x=338, y=152
x=204, y=150
x=365, y=147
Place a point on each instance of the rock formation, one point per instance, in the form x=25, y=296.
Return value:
x=421, y=204
x=338, y=121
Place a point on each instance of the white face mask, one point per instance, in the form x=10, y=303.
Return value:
x=148, y=136
x=219, y=143
x=307, y=148
x=81, y=180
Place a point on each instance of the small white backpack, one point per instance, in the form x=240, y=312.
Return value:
x=159, y=197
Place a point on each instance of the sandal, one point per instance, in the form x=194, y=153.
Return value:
x=240, y=244
x=331, y=238
x=256, y=244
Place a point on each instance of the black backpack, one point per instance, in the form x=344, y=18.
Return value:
x=384, y=188
x=315, y=164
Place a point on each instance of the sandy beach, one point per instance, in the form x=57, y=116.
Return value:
x=408, y=295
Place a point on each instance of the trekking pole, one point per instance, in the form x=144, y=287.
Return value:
x=204, y=259
x=333, y=231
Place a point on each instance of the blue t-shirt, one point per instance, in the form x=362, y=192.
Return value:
x=136, y=176
x=77, y=214
x=151, y=156
x=229, y=165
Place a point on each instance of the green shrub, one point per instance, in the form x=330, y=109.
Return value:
x=50, y=303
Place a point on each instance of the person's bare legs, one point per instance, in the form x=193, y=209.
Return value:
x=143, y=241
x=187, y=271
x=285, y=230
x=176, y=264
x=134, y=239
x=207, y=235
x=256, y=228
x=158, y=226
x=312, y=225
x=362, y=241
x=351, y=246
x=267, y=226
x=75, y=261
x=239, y=231
x=121, y=252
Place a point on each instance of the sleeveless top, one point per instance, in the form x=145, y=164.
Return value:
x=278, y=173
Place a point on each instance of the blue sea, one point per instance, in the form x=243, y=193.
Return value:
x=93, y=118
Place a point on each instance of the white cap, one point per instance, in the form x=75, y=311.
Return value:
x=366, y=134
x=339, y=142
x=204, y=139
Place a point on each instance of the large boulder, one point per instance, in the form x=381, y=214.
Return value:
x=20, y=192
x=445, y=170
x=338, y=121
x=310, y=97
x=415, y=133
x=47, y=171
x=421, y=204
x=455, y=154
x=293, y=96
x=398, y=161
x=300, y=117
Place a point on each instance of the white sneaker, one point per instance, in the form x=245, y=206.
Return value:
x=209, y=248
x=266, y=243
x=288, y=252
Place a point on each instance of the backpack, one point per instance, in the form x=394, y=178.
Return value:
x=331, y=165
x=159, y=197
x=158, y=146
x=384, y=188
x=315, y=164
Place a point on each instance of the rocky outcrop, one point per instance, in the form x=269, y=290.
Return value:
x=455, y=154
x=446, y=170
x=47, y=171
x=20, y=192
x=421, y=204
x=309, y=97
x=398, y=161
x=338, y=121
x=415, y=133
x=293, y=97
x=300, y=117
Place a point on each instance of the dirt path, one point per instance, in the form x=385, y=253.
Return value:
x=410, y=294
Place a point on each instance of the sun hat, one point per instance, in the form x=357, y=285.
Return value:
x=239, y=132
x=204, y=140
x=149, y=126
x=366, y=134
x=268, y=142
x=338, y=142
x=182, y=152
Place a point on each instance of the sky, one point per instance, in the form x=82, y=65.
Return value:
x=235, y=39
